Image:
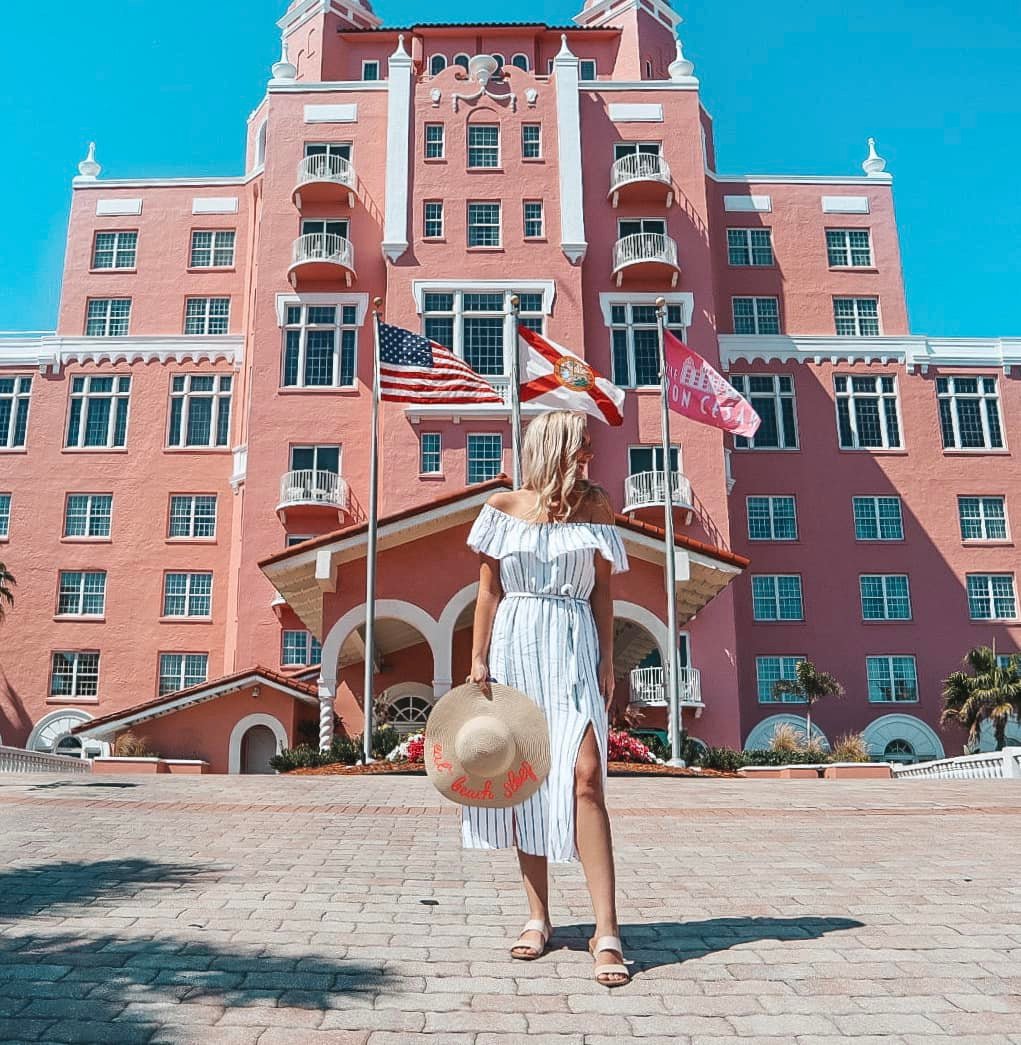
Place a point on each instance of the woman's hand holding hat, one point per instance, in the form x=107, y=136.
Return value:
x=479, y=674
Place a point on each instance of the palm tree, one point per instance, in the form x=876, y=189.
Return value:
x=808, y=685
x=991, y=692
x=7, y=584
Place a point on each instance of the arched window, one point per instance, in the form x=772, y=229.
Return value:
x=408, y=713
x=648, y=70
x=520, y=61
x=260, y=144
x=500, y=61
x=899, y=751
x=437, y=64
x=461, y=60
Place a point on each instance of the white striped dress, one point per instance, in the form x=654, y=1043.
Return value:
x=545, y=644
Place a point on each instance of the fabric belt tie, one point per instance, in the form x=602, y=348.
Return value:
x=572, y=632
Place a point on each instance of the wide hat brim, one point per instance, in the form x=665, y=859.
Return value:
x=526, y=724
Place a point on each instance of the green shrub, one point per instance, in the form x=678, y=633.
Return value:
x=722, y=759
x=851, y=747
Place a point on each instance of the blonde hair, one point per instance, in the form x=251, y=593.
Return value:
x=550, y=466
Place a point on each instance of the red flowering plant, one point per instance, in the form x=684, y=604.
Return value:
x=415, y=750
x=625, y=748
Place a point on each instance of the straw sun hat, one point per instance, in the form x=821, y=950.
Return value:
x=491, y=753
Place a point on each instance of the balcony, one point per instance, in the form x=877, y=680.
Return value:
x=639, y=178
x=648, y=490
x=324, y=179
x=321, y=257
x=648, y=689
x=312, y=489
x=646, y=256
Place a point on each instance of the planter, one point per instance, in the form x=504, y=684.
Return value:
x=858, y=771
x=119, y=764
x=186, y=765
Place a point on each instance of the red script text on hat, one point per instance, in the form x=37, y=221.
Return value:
x=439, y=762
x=486, y=792
x=516, y=779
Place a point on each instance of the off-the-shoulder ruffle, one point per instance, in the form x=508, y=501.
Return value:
x=497, y=534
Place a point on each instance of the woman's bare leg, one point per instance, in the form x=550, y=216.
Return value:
x=535, y=876
x=595, y=845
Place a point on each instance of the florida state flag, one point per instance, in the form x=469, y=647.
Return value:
x=558, y=379
x=696, y=390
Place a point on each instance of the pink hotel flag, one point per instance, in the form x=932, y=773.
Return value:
x=696, y=390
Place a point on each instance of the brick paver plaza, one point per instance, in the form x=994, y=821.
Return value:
x=287, y=909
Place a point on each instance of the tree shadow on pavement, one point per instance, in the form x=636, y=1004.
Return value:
x=652, y=944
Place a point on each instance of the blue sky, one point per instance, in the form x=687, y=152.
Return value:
x=793, y=88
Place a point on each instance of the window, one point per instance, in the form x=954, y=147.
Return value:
x=483, y=145
x=296, y=538
x=312, y=334
x=520, y=61
x=991, y=596
x=115, y=250
x=192, y=516
x=531, y=141
x=5, y=514
x=181, y=670
x=107, y=317
x=212, y=249
x=316, y=459
x=434, y=142
x=483, y=224
x=777, y=597
x=772, y=398
x=15, y=393
x=99, y=411
x=75, y=675
x=969, y=413
x=849, y=248
x=982, y=518
x=877, y=519
x=199, y=410
x=485, y=457
x=772, y=519
x=899, y=751
x=532, y=212
x=640, y=226
x=622, y=149
x=433, y=224
x=587, y=69
x=327, y=228
x=891, y=679
x=207, y=315
x=750, y=246
x=81, y=594
x=300, y=648
x=370, y=70
x=430, y=461
x=756, y=316
x=856, y=317
x=650, y=459
x=478, y=327
x=867, y=415
x=884, y=596
x=634, y=340
x=500, y=62
x=461, y=60
x=770, y=670
x=187, y=595
x=437, y=63
x=88, y=515
x=333, y=153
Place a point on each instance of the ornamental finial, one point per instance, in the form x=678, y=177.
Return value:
x=565, y=51
x=284, y=69
x=874, y=163
x=89, y=168
x=680, y=68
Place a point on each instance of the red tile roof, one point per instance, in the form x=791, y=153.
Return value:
x=503, y=482
x=274, y=678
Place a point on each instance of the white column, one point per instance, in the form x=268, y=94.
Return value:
x=572, y=214
x=398, y=150
x=327, y=696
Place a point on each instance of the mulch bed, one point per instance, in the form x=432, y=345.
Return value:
x=631, y=769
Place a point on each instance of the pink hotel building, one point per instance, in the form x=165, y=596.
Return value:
x=184, y=463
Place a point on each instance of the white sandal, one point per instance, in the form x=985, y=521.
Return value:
x=610, y=943
x=536, y=925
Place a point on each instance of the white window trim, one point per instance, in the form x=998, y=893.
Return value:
x=182, y=675
x=191, y=575
x=889, y=658
x=360, y=301
x=797, y=657
x=875, y=499
x=111, y=427
x=498, y=245
x=848, y=253
x=439, y=451
x=778, y=397
x=541, y=234
x=546, y=287
x=315, y=448
x=857, y=299
x=426, y=143
x=852, y=421
x=338, y=327
x=989, y=594
x=461, y=54
x=89, y=513
x=541, y=154
x=379, y=70
x=307, y=662
x=217, y=394
x=6, y=438
x=425, y=220
x=206, y=316
x=747, y=231
x=117, y=234
x=981, y=397
x=75, y=694
x=212, y=250
x=755, y=300
x=191, y=536
x=108, y=317
x=527, y=66
x=885, y=618
x=79, y=612
x=983, y=518
x=7, y=499
x=775, y=578
x=467, y=460
x=772, y=539
x=432, y=59
x=499, y=149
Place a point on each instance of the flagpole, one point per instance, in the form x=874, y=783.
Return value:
x=370, y=551
x=673, y=673
x=515, y=375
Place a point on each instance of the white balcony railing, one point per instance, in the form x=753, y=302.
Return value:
x=641, y=166
x=312, y=486
x=333, y=169
x=648, y=689
x=989, y=765
x=324, y=246
x=644, y=248
x=648, y=490
x=18, y=760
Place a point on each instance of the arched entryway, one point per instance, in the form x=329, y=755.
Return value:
x=250, y=748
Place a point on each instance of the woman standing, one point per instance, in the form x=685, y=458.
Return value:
x=544, y=625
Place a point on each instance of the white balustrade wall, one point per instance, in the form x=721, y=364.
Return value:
x=18, y=760
x=989, y=765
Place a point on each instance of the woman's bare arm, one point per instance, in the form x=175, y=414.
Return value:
x=602, y=605
x=490, y=593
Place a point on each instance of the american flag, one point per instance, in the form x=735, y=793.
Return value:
x=413, y=369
